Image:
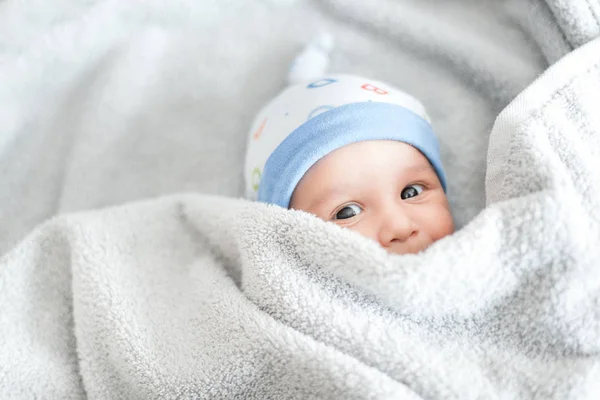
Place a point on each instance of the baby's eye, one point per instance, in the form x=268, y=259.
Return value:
x=411, y=191
x=349, y=211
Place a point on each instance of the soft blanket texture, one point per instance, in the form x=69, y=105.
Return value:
x=198, y=296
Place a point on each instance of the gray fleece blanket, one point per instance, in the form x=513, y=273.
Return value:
x=203, y=296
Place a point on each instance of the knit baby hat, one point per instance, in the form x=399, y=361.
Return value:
x=309, y=120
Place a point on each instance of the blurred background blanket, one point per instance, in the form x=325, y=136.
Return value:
x=104, y=102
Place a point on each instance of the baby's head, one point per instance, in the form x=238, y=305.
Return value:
x=355, y=152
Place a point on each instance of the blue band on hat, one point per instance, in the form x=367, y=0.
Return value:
x=336, y=128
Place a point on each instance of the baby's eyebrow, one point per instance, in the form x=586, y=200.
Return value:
x=419, y=168
x=325, y=196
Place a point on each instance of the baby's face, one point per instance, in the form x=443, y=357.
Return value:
x=385, y=190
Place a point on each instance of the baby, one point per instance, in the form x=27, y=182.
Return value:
x=356, y=152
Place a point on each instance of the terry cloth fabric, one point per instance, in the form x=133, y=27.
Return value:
x=310, y=120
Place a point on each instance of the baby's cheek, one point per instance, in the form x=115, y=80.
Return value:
x=439, y=222
x=365, y=229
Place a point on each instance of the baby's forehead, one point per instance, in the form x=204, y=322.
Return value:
x=396, y=155
x=347, y=167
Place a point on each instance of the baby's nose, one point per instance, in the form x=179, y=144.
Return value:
x=396, y=226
